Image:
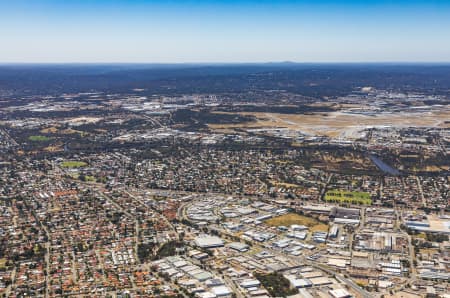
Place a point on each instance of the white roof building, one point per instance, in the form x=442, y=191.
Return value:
x=207, y=241
x=221, y=291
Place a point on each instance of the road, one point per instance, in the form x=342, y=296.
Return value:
x=324, y=188
x=412, y=257
x=342, y=279
x=154, y=121
x=47, y=247
x=419, y=186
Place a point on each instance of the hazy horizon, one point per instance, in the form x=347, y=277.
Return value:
x=206, y=63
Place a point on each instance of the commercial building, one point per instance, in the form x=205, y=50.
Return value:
x=207, y=241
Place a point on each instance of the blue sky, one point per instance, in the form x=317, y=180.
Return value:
x=224, y=31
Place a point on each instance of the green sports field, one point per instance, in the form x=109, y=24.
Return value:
x=39, y=138
x=73, y=164
x=352, y=197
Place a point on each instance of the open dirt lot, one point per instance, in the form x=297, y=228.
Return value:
x=296, y=219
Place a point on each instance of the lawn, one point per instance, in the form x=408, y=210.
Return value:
x=296, y=219
x=343, y=196
x=85, y=178
x=421, y=235
x=89, y=178
x=73, y=164
x=39, y=138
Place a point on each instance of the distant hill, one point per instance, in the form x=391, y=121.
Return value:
x=316, y=80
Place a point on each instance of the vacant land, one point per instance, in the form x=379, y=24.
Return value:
x=50, y=130
x=283, y=184
x=39, y=138
x=353, y=197
x=296, y=219
x=52, y=148
x=73, y=164
x=84, y=178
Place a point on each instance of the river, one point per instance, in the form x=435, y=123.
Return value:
x=384, y=167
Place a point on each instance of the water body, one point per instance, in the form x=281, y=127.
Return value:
x=384, y=167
